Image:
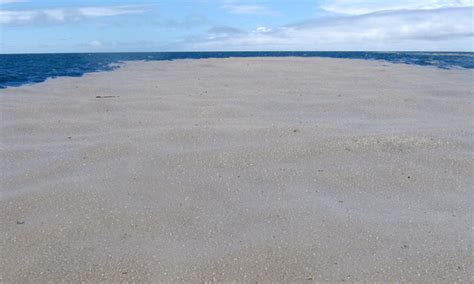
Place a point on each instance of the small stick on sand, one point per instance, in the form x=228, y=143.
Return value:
x=106, y=97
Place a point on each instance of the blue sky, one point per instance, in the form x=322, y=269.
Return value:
x=183, y=25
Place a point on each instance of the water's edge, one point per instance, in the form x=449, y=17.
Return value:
x=20, y=69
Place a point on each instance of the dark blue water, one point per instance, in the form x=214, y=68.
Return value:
x=19, y=69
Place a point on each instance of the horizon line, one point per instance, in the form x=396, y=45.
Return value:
x=234, y=51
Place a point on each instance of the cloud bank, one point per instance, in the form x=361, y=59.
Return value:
x=359, y=7
x=420, y=29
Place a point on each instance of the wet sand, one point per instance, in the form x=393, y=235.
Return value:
x=255, y=169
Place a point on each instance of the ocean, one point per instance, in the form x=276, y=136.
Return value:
x=19, y=69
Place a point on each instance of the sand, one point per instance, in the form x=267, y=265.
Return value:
x=256, y=169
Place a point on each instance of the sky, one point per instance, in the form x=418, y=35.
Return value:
x=49, y=26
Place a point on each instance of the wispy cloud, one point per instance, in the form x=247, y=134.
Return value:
x=434, y=29
x=67, y=14
x=245, y=9
x=359, y=7
x=3, y=2
x=189, y=21
x=236, y=7
x=224, y=30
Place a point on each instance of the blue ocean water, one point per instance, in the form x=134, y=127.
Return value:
x=19, y=69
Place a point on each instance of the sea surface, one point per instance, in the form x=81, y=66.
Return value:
x=19, y=69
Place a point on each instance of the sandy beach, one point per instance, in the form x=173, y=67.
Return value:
x=249, y=169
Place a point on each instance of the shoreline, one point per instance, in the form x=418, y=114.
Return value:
x=239, y=169
x=121, y=62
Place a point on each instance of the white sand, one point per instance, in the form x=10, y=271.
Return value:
x=274, y=169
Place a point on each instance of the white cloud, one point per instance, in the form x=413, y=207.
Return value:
x=435, y=29
x=359, y=7
x=66, y=14
x=262, y=30
x=95, y=43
